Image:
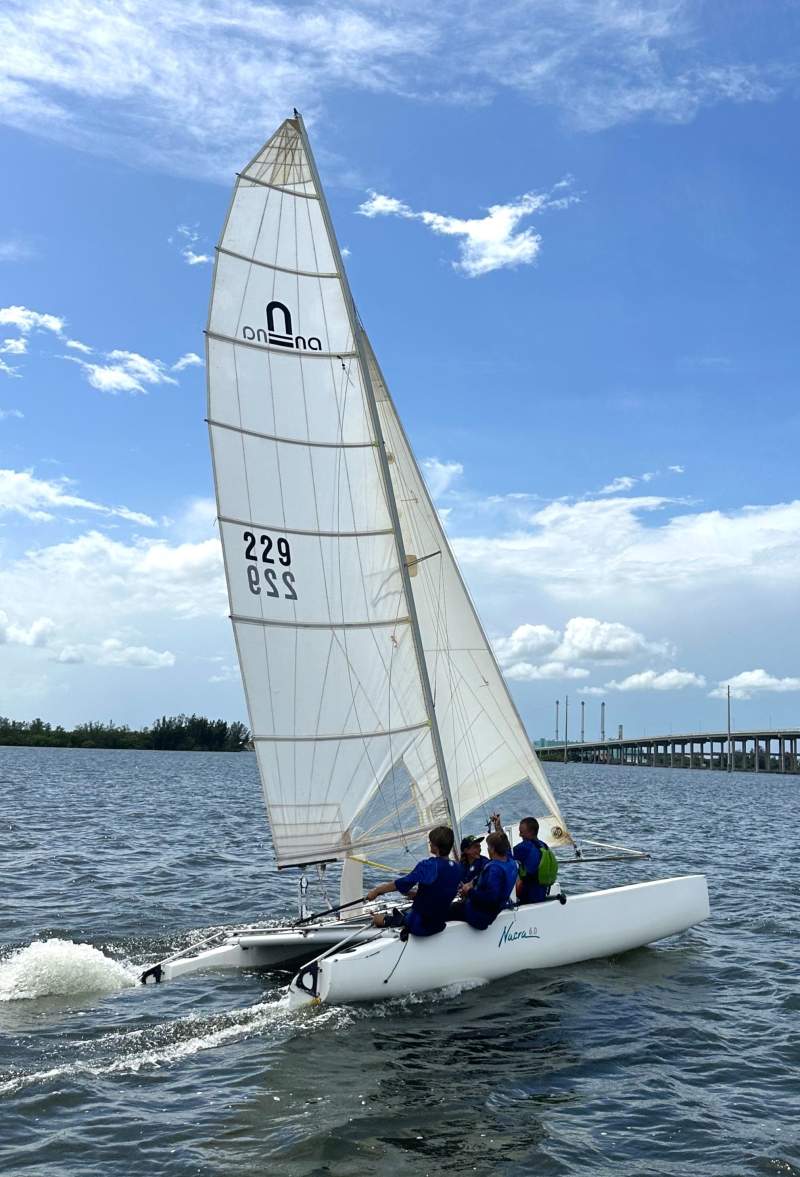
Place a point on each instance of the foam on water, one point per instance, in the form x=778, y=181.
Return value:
x=167, y=1043
x=56, y=967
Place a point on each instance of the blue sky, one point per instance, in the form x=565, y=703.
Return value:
x=599, y=375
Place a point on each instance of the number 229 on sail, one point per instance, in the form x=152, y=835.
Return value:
x=260, y=576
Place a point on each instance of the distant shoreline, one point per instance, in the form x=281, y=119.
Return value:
x=176, y=733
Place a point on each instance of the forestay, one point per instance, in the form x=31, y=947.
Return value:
x=320, y=612
x=486, y=748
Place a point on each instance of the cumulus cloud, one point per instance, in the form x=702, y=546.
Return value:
x=752, y=682
x=597, y=547
x=651, y=680
x=76, y=345
x=37, y=633
x=14, y=347
x=127, y=372
x=189, y=237
x=440, y=476
x=586, y=638
x=491, y=242
x=22, y=493
x=26, y=320
x=113, y=652
x=189, y=360
x=8, y=369
x=527, y=672
x=93, y=75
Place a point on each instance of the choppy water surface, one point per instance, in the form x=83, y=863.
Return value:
x=682, y=1058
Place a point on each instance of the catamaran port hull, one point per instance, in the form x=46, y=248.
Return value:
x=265, y=948
x=536, y=936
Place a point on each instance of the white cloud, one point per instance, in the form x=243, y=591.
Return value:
x=485, y=243
x=652, y=680
x=587, y=639
x=190, y=238
x=623, y=482
x=189, y=360
x=750, y=682
x=677, y=469
x=76, y=345
x=38, y=633
x=6, y=413
x=526, y=642
x=8, y=369
x=34, y=498
x=26, y=320
x=15, y=251
x=584, y=639
x=127, y=372
x=14, y=347
x=113, y=652
x=195, y=73
x=597, y=547
x=440, y=476
x=526, y=672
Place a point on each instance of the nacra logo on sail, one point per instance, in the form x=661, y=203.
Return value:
x=284, y=338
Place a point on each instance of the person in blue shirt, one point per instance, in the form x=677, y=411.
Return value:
x=434, y=880
x=484, y=899
x=528, y=854
x=472, y=861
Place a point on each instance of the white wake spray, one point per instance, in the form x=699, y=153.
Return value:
x=60, y=967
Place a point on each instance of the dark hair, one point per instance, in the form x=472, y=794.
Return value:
x=531, y=824
x=499, y=843
x=442, y=838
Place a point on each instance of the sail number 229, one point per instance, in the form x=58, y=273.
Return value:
x=269, y=571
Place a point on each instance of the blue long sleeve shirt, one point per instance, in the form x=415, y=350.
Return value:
x=491, y=892
x=437, y=880
x=528, y=854
x=471, y=870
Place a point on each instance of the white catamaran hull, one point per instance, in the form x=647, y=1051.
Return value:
x=537, y=936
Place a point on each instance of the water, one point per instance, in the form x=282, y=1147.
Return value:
x=678, y=1058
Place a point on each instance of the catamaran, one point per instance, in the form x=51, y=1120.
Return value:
x=376, y=704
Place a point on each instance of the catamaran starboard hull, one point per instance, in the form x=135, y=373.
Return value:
x=536, y=936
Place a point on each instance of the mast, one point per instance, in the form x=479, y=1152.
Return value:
x=383, y=462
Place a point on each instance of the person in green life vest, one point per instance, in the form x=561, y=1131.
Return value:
x=528, y=855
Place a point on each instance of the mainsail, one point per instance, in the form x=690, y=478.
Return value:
x=323, y=526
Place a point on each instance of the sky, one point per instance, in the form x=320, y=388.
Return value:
x=571, y=231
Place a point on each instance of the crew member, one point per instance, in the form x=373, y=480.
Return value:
x=483, y=900
x=436, y=879
x=472, y=861
x=528, y=854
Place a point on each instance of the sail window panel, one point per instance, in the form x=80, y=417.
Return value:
x=285, y=394
x=316, y=792
x=278, y=229
x=300, y=487
x=341, y=684
x=274, y=575
x=294, y=313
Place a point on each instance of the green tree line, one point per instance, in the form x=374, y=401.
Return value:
x=177, y=733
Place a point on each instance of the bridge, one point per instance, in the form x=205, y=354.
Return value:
x=753, y=751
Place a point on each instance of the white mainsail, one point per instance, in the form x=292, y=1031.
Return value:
x=344, y=683
x=317, y=590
